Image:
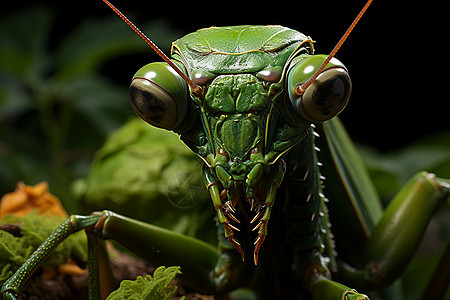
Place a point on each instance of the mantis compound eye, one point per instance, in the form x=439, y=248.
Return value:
x=159, y=95
x=326, y=96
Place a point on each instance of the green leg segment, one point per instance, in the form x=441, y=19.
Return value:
x=204, y=267
x=101, y=277
x=393, y=242
x=399, y=232
x=162, y=247
x=316, y=278
x=330, y=290
x=73, y=224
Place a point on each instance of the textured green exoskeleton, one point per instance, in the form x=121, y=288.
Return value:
x=248, y=118
x=255, y=133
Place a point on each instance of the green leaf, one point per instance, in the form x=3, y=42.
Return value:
x=150, y=175
x=95, y=42
x=389, y=171
x=58, y=100
x=23, y=48
x=156, y=287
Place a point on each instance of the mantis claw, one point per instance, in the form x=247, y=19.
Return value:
x=259, y=241
x=230, y=206
x=227, y=224
x=260, y=212
x=229, y=210
x=237, y=246
x=252, y=207
x=259, y=225
x=232, y=217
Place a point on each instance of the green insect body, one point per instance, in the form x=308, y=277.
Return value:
x=250, y=102
x=246, y=122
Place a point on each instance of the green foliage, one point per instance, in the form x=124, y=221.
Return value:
x=35, y=229
x=156, y=287
x=149, y=174
x=56, y=107
x=390, y=171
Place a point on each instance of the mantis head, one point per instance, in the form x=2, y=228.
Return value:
x=241, y=107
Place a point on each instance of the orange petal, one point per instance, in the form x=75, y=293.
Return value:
x=71, y=268
x=27, y=198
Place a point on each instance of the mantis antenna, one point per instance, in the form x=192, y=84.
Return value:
x=302, y=88
x=194, y=87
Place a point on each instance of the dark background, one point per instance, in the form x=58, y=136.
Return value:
x=391, y=55
x=398, y=90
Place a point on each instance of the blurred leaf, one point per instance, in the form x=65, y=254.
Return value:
x=93, y=43
x=390, y=171
x=149, y=174
x=23, y=47
x=56, y=107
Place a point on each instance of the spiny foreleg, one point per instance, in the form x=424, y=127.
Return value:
x=265, y=210
x=222, y=210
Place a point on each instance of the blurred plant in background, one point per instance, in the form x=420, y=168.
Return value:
x=391, y=170
x=56, y=108
x=149, y=174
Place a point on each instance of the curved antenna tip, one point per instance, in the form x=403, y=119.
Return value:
x=301, y=89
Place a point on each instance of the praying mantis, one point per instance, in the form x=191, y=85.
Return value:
x=254, y=102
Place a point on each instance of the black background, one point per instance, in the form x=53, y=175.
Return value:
x=394, y=55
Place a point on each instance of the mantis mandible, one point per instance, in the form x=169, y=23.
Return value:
x=251, y=101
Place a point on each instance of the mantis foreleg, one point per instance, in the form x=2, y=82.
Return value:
x=399, y=232
x=204, y=267
x=101, y=277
